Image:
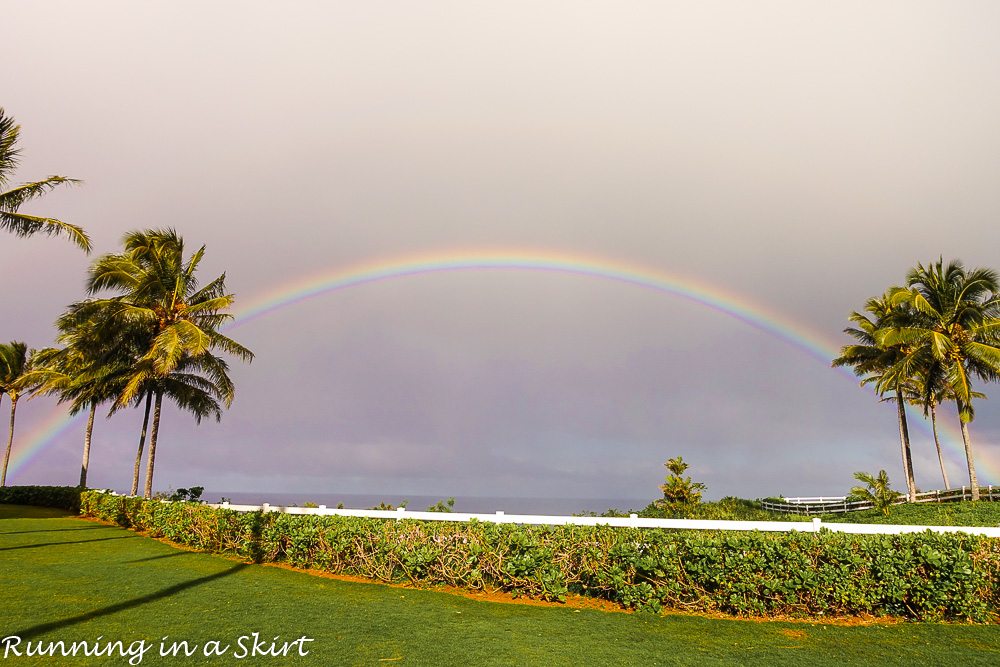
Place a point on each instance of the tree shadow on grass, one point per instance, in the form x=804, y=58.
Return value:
x=169, y=555
x=41, y=629
x=53, y=530
x=33, y=512
x=59, y=544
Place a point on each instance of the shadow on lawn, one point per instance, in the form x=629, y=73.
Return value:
x=59, y=544
x=33, y=512
x=169, y=555
x=51, y=530
x=43, y=628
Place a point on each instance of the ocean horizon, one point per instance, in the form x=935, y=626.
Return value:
x=419, y=502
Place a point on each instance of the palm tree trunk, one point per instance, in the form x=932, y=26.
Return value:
x=973, y=481
x=937, y=443
x=152, y=446
x=10, y=441
x=86, y=446
x=904, y=441
x=142, y=443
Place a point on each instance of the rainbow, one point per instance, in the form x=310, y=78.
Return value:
x=729, y=303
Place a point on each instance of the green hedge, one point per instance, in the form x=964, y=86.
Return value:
x=919, y=576
x=63, y=497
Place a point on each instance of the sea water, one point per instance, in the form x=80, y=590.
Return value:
x=414, y=502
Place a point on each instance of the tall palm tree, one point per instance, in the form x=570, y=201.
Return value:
x=87, y=372
x=121, y=344
x=871, y=360
x=196, y=385
x=179, y=322
x=11, y=200
x=15, y=361
x=926, y=391
x=957, y=324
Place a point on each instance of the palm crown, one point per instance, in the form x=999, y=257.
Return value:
x=168, y=327
x=11, y=218
x=930, y=340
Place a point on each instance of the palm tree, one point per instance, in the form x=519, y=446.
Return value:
x=873, y=361
x=101, y=352
x=87, y=372
x=15, y=362
x=196, y=385
x=957, y=325
x=176, y=325
x=57, y=371
x=11, y=200
x=876, y=490
x=927, y=391
x=127, y=346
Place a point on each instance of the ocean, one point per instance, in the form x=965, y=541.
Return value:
x=473, y=504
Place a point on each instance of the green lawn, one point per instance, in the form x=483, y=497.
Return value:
x=64, y=578
x=965, y=513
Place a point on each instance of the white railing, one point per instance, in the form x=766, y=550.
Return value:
x=631, y=521
x=812, y=500
x=839, y=505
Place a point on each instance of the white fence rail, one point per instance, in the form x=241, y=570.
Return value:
x=812, y=500
x=839, y=505
x=631, y=521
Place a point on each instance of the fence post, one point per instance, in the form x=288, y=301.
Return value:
x=266, y=507
x=633, y=520
x=816, y=524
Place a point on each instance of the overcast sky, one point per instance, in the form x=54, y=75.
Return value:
x=797, y=155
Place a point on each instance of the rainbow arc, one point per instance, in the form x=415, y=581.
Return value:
x=727, y=302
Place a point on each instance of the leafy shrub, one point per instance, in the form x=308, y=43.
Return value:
x=876, y=490
x=191, y=495
x=384, y=506
x=919, y=576
x=443, y=506
x=727, y=509
x=677, y=489
x=63, y=497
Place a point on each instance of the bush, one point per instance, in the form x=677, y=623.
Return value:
x=62, y=497
x=193, y=494
x=920, y=576
x=727, y=509
x=677, y=489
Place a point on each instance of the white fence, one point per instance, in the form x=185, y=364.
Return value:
x=811, y=500
x=839, y=504
x=631, y=521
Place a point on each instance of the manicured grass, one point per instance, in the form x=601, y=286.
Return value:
x=70, y=579
x=964, y=513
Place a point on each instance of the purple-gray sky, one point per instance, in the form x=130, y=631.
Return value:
x=801, y=154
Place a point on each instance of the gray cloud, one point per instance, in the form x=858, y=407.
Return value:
x=798, y=155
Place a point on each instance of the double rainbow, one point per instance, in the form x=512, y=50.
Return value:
x=728, y=303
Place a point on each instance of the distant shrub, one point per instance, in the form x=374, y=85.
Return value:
x=190, y=495
x=727, y=509
x=443, y=506
x=680, y=491
x=62, y=497
x=384, y=506
x=920, y=576
x=876, y=490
